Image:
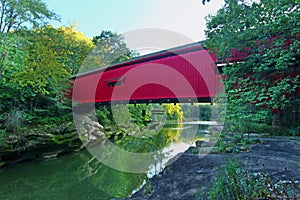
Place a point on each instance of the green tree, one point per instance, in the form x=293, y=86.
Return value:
x=42, y=78
x=10, y=62
x=42, y=70
x=113, y=47
x=267, y=32
x=71, y=46
x=16, y=14
x=110, y=48
x=11, y=56
x=173, y=112
x=38, y=69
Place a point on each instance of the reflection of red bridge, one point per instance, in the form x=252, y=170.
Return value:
x=184, y=74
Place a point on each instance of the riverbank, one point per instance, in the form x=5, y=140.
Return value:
x=191, y=176
x=81, y=176
x=39, y=143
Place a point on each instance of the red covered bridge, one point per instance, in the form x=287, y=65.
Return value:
x=183, y=74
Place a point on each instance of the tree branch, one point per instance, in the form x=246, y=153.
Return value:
x=4, y=7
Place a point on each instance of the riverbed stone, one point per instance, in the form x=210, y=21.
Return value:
x=190, y=176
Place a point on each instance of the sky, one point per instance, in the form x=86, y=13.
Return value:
x=186, y=17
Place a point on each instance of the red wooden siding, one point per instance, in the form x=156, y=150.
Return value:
x=187, y=75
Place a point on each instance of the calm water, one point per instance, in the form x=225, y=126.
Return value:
x=81, y=176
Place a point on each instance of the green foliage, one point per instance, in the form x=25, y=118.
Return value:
x=2, y=137
x=126, y=126
x=140, y=113
x=112, y=47
x=42, y=72
x=11, y=56
x=109, y=48
x=16, y=14
x=173, y=112
x=234, y=142
x=14, y=120
x=205, y=112
x=70, y=46
x=201, y=112
x=123, y=115
x=35, y=69
x=239, y=184
x=104, y=115
x=148, y=140
x=290, y=131
x=294, y=131
x=50, y=116
x=267, y=79
x=11, y=61
x=248, y=127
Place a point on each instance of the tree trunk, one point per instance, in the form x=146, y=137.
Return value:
x=277, y=121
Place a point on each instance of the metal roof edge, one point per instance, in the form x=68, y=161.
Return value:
x=144, y=58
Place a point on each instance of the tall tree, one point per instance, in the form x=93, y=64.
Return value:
x=71, y=46
x=112, y=47
x=267, y=33
x=109, y=48
x=42, y=68
x=10, y=54
x=15, y=14
x=53, y=55
x=12, y=61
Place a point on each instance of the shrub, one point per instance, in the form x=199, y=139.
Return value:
x=235, y=183
x=14, y=120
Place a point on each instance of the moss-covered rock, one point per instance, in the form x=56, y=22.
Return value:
x=39, y=143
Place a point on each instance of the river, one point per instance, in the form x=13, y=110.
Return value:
x=80, y=176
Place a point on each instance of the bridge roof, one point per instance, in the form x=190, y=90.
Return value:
x=190, y=76
x=148, y=57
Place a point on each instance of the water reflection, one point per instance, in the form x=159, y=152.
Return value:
x=82, y=176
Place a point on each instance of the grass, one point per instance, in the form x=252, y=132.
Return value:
x=234, y=143
x=234, y=183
